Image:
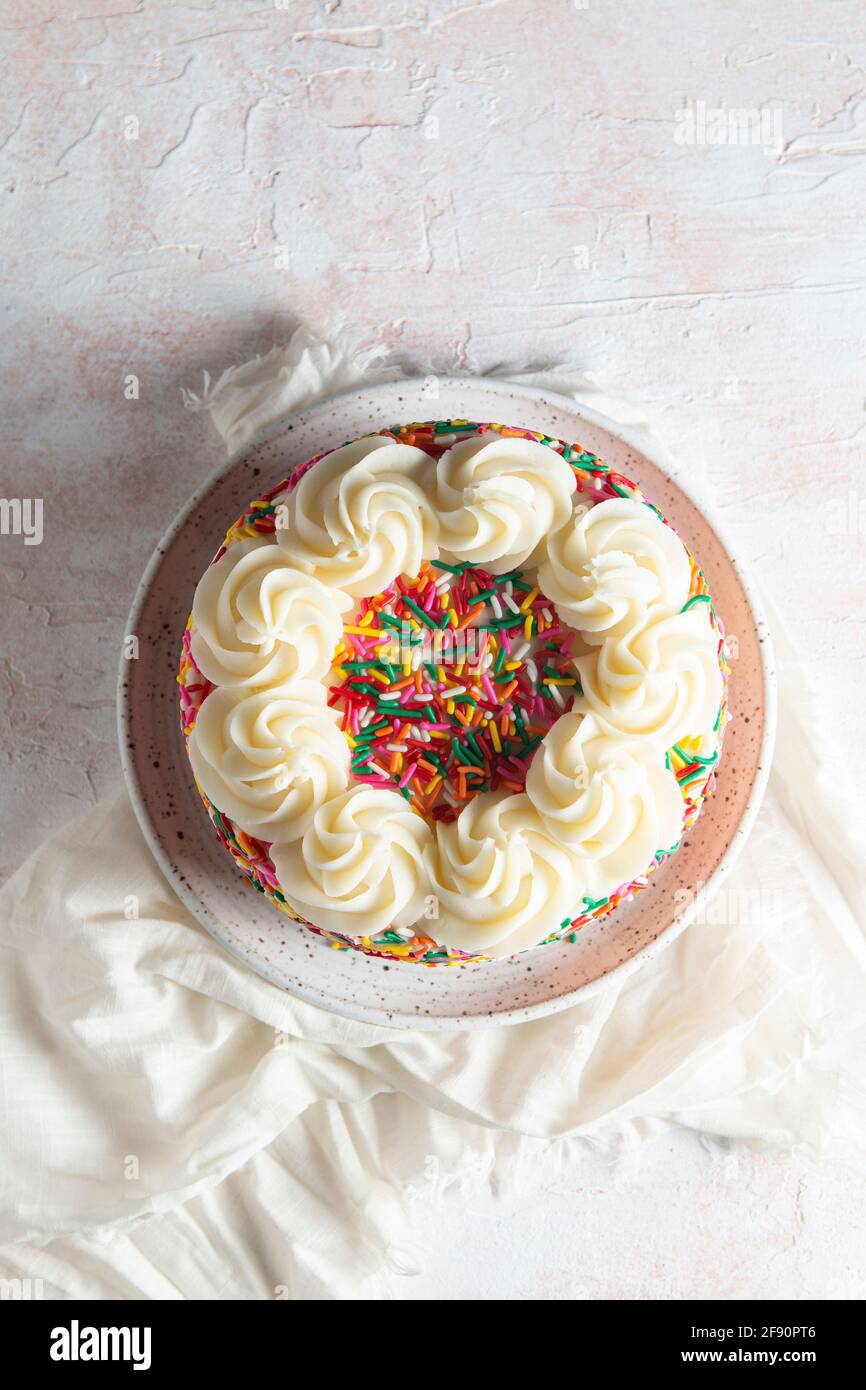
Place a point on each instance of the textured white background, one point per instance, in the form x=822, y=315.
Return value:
x=468, y=184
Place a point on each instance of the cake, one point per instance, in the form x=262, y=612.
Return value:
x=452, y=691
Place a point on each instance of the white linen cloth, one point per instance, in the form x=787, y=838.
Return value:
x=175, y=1127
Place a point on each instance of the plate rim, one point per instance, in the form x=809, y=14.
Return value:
x=634, y=437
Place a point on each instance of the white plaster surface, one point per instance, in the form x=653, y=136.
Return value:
x=468, y=184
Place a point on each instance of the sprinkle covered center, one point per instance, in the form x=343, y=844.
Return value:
x=447, y=683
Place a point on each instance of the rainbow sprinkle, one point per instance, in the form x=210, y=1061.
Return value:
x=448, y=682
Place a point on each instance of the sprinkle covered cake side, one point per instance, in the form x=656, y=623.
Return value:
x=539, y=684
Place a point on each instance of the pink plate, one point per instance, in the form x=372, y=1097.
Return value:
x=399, y=993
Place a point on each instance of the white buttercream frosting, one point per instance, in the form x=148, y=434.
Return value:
x=258, y=619
x=659, y=682
x=600, y=800
x=269, y=758
x=359, y=867
x=498, y=499
x=361, y=516
x=612, y=563
x=500, y=881
x=610, y=800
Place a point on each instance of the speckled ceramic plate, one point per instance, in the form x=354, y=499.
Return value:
x=399, y=993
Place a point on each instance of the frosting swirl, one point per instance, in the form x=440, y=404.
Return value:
x=500, y=881
x=607, y=566
x=661, y=681
x=269, y=758
x=359, y=866
x=499, y=498
x=609, y=799
x=362, y=515
x=258, y=619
